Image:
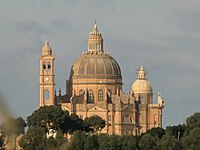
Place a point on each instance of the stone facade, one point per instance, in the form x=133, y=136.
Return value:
x=95, y=88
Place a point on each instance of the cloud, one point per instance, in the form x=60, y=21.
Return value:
x=189, y=13
x=189, y=7
x=26, y=26
x=62, y=25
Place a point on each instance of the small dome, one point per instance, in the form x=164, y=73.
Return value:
x=141, y=85
x=46, y=50
x=96, y=65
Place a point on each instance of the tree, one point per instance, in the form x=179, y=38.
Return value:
x=13, y=127
x=169, y=142
x=177, y=131
x=128, y=142
x=192, y=141
x=49, y=117
x=95, y=123
x=156, y=132
x=33, y=139
x=2, y=142
x=77, y=141
x=91, y=142
x=193, y=121
x=75, y=123
x=148, y=142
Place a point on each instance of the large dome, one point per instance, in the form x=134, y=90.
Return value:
x=95, y=65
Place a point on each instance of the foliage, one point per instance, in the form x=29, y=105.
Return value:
x=2, y=142
x=84, y=135
x=177, y=131
x=35, y=138
x=193, y=121
x=95, y=123
x=13, y=126
x=192, y=141
x=49, y=117
x=74, y=123
x=77, y=141
x=156, y=132
x=128, y=142
x=148, y=142
x=169, y=142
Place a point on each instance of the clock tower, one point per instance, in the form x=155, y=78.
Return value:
x=47, y=76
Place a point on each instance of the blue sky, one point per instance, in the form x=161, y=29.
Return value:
x=161, y=35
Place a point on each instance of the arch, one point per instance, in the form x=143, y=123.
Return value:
x=90, y=96
x=49, y=65
x=46, y=95
x=44, y=65
x=100, y=95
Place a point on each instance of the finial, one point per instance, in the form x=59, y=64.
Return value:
x=46, y=43
x=141, y=68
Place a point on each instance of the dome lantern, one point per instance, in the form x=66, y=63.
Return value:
x=46, y=50
x=142, y=73
x=95, y=40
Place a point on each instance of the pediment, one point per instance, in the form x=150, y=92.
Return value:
x=96, y=108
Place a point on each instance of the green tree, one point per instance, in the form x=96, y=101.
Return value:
x=192, y=141
x=111, y=142
x=49, y=117
x=193, y=121
x=103, y=140
x=177, y=131
x=128, y=142
x=77, y=141
x=148, y=142
x=74, y=123
x=95, y=123
x=33, y=139
x=156, y=132
x=91, y=142
x=169, y=142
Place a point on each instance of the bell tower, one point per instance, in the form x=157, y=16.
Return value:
x=47, y=76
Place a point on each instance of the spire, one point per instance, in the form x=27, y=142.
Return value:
x=95, y=40
x=46, y=50
x=142, y=73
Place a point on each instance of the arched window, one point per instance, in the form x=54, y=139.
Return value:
x=44, y=65
x=100, y=95
x=46, y=95
x=90, y=96
x=49, y=66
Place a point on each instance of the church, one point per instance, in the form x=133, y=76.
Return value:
x=94, y=87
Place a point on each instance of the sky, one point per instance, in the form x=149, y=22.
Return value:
x=161, y=35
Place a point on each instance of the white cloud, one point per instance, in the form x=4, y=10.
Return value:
x=189, y=7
